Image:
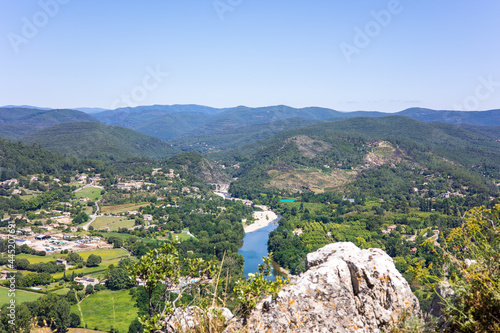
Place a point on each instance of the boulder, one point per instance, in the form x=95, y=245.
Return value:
x=344, y=289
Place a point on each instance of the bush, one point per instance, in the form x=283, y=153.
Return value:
x=74, y=320
x=93, y=260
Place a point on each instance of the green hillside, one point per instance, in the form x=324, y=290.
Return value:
x=231, y=138
x=16, y=123
x=197, y=122
x=195, y=164
x=17, y=159
x=93, y=140
x=335, y=154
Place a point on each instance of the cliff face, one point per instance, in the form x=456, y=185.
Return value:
x=344, y=289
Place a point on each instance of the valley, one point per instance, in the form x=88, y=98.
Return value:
x=85, y=202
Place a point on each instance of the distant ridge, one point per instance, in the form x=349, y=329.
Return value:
x=24, y=107
x=16, y=123
x=94, y=140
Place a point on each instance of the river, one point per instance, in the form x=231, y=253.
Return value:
x=255, y=247
x=255, y=243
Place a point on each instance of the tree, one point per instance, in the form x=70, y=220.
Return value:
x=163, y=266
x=61, y=315
x=93, y=260
x=44, y=306
x=22, y=321
x=74, y=320
x=118, y=278
x=81, y=218
x=89, y=289
x=22, y=263
x=71, y=297
x=473, y=273
x=135, y=326
x=74, y=258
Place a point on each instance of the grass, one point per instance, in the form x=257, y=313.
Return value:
x=311, y=206
x=182, y=236
x=114, y=223
x=109, y=256
x=107, y=308
x=21, y=296
x=118, y=209
x=92, y=193
x=70, y=330
x=105, y=254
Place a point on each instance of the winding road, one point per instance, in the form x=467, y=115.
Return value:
x=96, y=214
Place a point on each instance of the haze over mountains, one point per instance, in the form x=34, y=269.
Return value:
x=193, y=127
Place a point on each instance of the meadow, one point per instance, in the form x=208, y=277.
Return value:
x=93, y=193
x=113, y=222
x=107, y=308
x=21, y=296
x=118, y=209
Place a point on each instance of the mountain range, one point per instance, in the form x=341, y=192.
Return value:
x=195, y=127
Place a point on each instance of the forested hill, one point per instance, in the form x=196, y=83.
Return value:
x=169, y=122
x=334, y=154
x=93, y=140
x=20, y=160
x=16, y=123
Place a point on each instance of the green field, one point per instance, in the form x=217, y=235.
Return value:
x=93, y=193
x=105, y=254
x=107, y=308
x=109, y=256
x=118, y=209
x=114, y=223
x=21, y=296
x=30, y=194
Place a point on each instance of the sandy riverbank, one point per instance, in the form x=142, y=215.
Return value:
x=262, y=219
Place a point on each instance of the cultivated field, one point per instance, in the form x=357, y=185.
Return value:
x=106, y=308
x=93, y=193
x=114, y=223
x=118, y=209
x=21, y=296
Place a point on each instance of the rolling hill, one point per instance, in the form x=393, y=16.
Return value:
x=16, y=123
x=231, y=138
x=172, y=121
x=93, y=140
x=333, y=154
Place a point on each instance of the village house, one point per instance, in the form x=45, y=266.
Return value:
x=85, y=281
x=156, y=171
x=62, y=262
x=10, y=182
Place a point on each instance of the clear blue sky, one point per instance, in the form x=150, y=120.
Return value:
x=435, y=54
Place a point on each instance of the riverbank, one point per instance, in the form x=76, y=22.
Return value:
x=262, y=219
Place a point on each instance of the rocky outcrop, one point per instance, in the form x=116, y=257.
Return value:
x=344, y=289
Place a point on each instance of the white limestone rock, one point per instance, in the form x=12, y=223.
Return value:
x=345, y=289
